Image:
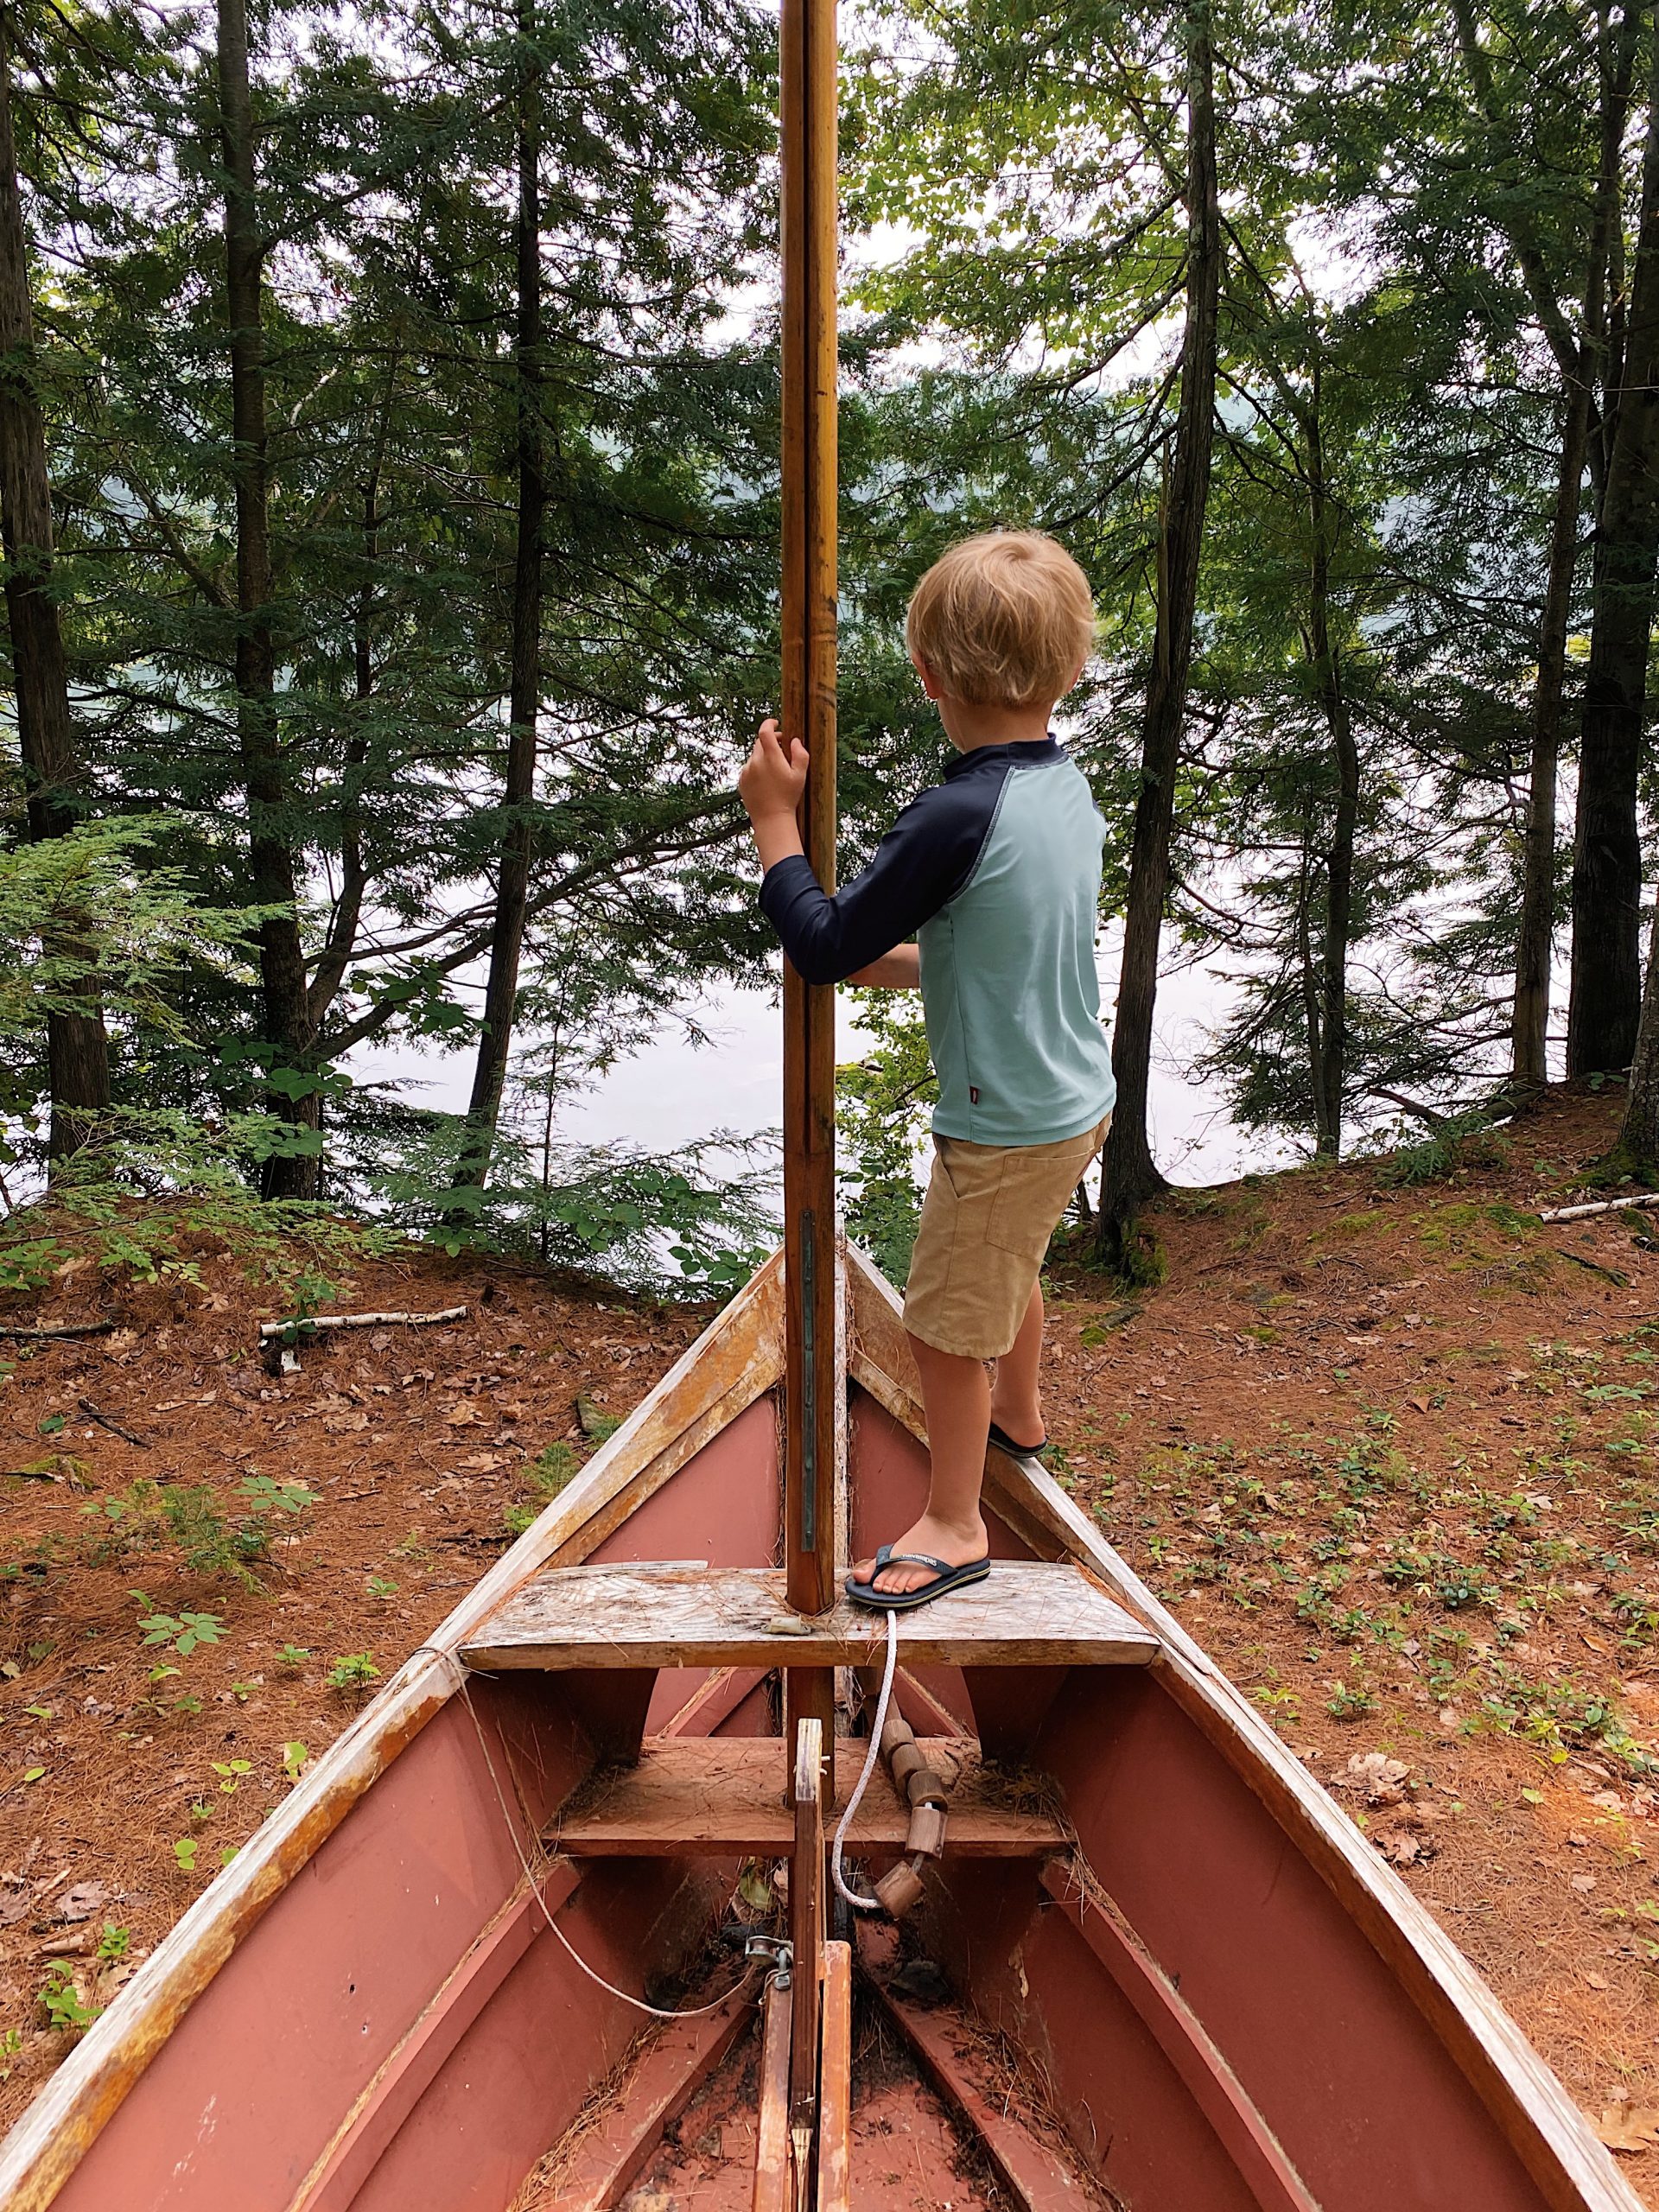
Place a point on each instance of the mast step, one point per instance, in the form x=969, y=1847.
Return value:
x=1025, y=1613
x=717, y=1796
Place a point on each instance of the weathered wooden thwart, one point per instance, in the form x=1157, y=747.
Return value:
x=698, y=1615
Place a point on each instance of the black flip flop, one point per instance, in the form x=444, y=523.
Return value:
x=1004, y=1442
x=946, y=1577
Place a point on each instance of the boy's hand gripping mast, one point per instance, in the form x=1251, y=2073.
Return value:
x=814, y=1381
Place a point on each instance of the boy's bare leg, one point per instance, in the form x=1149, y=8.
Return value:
x=956, y=1397
x=1016, y=1397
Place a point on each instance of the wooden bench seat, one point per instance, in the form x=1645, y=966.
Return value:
x=720, y=1796
x=1027, y=1613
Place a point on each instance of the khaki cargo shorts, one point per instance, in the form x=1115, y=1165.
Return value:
x=989, y=1211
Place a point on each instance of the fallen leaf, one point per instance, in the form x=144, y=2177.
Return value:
x=1629, y=2127
x=1400, y=1847
x=1379, y=1776
x=1598, y=1981
x=83, y=1901
x=1584, y=1884
x=465, y=1415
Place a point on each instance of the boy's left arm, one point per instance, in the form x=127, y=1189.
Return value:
x=898, y=970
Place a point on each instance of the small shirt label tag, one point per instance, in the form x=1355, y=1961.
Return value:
x=973, y=1094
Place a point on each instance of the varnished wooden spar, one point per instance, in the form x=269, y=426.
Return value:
x=807, y=108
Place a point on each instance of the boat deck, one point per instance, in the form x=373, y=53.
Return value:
x=1028, y=1613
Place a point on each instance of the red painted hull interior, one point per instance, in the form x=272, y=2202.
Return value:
x=400, y=2029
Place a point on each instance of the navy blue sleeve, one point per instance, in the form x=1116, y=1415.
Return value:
x=922, y=862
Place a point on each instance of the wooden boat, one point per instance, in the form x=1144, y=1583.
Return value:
x=409, y=1986
x=1223, y=1995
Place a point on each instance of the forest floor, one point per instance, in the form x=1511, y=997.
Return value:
x=1389, y=1446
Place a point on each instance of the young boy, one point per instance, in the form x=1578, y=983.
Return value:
x=996, y=871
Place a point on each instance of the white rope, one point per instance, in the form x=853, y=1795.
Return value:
x=863, y=1903
x=657, y=2012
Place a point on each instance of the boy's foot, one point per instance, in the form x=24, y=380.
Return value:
x=939, y=1539
x=1020, y=1426
x=1004, y=1442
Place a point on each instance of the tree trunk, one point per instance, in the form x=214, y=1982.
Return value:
x=1606, y=993
x=1312, y=998
x=289, y=1031
x=1129, y=1174
x=78, y=1056
x=1639, y=1137
x=341, y=939
x=1534, y=935
x=512, y=885
x=1330, y=1071
x=1536, y=932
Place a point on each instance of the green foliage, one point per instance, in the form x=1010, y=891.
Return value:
x=1467, y=1142
x=352, y=1673
x=552, y=1469
x=183, y=1634
x=149, y=1518
x=691, y=1223
x=882, y=1103
x=62, y=2005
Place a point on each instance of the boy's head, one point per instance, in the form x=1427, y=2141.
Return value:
x=1003, y=619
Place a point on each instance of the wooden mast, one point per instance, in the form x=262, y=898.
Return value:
x=807, y=105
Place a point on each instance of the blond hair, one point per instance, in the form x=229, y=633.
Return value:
x=1003, y=618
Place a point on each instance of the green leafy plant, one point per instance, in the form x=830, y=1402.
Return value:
x=1350, y=1701
x=353, y=1672
x=62, y=2002
x=549, y=1471
x=295, y=1758
x=269, y=1495
x=185, y=1848
x=115, y=1942
x=183, y=1632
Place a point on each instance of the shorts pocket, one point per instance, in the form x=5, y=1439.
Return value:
x=1034, y=1192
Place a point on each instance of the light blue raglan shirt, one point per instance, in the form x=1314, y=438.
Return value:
x=996, y=874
